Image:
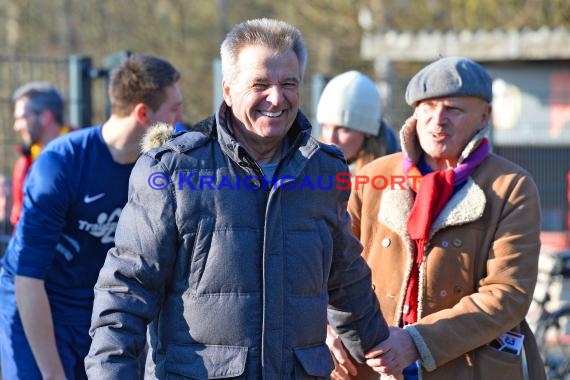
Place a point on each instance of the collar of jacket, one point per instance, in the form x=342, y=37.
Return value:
x=301, y=145
x=467, y=205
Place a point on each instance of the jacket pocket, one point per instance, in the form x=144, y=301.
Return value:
x=313, y=362
x=199, y=361
x=491, y=363
x=201, y=246
x=309, y=258
x=327, y=251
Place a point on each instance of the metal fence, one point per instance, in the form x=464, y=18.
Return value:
x=550, y=168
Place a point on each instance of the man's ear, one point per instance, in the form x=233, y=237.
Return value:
x=46, y=117
x=141, y=113
x=226, y=92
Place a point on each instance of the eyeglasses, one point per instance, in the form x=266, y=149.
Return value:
x=26, y=115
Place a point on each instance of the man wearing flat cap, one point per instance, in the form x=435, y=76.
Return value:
x=454, y=251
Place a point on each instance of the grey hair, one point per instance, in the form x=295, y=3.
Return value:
x=274, y=34
x=42, y=96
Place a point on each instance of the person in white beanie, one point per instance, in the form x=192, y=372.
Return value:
x=350, y=116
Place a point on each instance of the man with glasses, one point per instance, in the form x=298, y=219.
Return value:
x=38, y=118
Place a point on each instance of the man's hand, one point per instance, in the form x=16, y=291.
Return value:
x=394, y=354
x=343, y=366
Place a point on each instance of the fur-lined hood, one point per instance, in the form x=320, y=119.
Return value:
x=156, y=135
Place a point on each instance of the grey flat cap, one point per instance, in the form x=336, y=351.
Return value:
x=451, y=76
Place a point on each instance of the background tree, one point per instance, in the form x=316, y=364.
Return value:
x=188, y=32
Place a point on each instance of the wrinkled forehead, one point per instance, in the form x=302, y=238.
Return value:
x=259, y=62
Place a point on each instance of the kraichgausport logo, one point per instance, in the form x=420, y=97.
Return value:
x=195, y=181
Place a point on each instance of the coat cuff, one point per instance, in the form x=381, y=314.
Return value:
x=426, y=358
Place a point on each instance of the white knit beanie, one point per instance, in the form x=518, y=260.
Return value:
x=351, y=100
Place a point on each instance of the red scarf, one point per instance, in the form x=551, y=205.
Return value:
x=434, y=191
x=432, y=194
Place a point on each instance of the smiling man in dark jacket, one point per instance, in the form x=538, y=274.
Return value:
x=228, y=247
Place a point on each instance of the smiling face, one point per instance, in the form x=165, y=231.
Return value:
x=264, y=95
x=445, y=126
